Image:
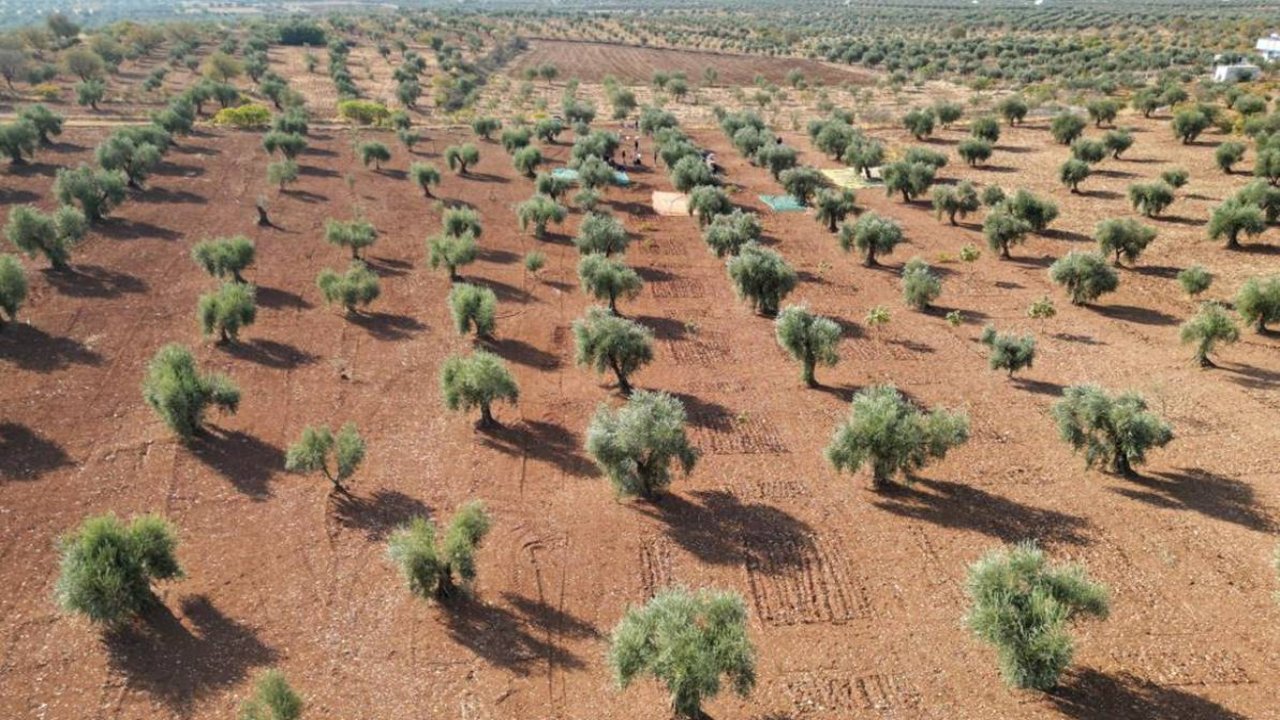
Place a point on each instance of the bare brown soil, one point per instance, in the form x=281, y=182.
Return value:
x=855, y=596
x=590, y=62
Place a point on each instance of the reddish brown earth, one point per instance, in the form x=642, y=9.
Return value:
x=856, y=597
x=590, y=62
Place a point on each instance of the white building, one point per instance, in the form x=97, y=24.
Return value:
x=1235, y=73
x=1269, y=47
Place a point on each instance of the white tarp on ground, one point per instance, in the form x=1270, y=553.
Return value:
x=670, y=203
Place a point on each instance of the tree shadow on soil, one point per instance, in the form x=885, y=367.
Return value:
x=388, y=267
x=118, y=229
x=506, y=293
x=181, y=666
x=277, y=299
x=512, y=639
x=522, y=353
x=964, y=507
x=1039, y=387
x=270, y=353
x=31, y=348
x=156, y=194
x=92, y=281
x=379, y=514
x=716, y=527
x=664, y=328
x=1254, y=377
x=1088, y=694
x=26, y=455
x=1135, y=314
x=543, y=441
x=247, y=462
x=1208, y=493
x=385, y=326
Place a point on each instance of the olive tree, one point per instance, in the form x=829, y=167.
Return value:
x=1233, y=218
x=919, y=123
x=761, y=277
x=955, y=202
x=863, y=154
x=831, y=206
x=636, y=445
x=461, y=157
x=18, y=140
x=607, y=279
x=1211, y=326
x=107, y=567
x=691, y=171
x=272, y=699
x=439, y=569
x=225, y=311
x=477, y=381
x=1072, y=173
x=887, y=432
x=777, y=158
x=1258, y=302
x=334, y=455
x=97, y=191
x=289, y=145
x=485, y=127
x=1103, y=111
x=810, y=339
x=872, y=235
x=13, y=287
x=1150, y=199
x=1022, y=605
x=911, y=179
x=1065, y=127
x=424, y=175
x=920, y=285
x=354, y=235
x=1086, y=276
x=985, y=128
x=605, y=341
x=180, y=394
x=538, y=212
x=282, y=173
x=1123, y=237
x=47, y=124
x=601, y=233
x=1187, y=125
x=974, y=151
x=473, y=307
x=1228, y=155
x=1008, y=351
x=373, y=152
x=691, y=641
x=355, y=288
x=803, y=183
x=1195, y=280
x=526, y=161
x=461, y=221
x=1003, y=229
x=728, y=233
x=51, y=235
x=1037, y=212
x=708, y=201
x=1267, y=164
x=1115, y=431
x=451, y=252
x=1117, y=141
x=550, y=185
x=1013, y=109
x=221, y=257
